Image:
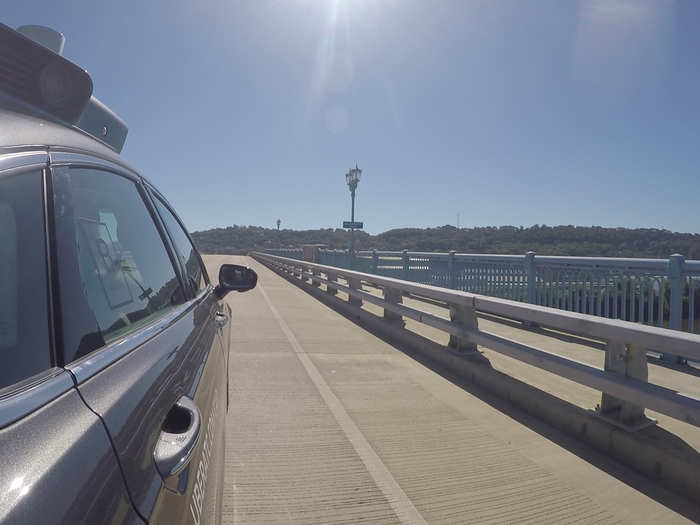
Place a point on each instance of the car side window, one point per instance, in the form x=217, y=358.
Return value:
x=25, y=348
x=115, y=274
x=196, y=275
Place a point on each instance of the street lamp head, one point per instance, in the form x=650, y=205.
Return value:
x=352, y=177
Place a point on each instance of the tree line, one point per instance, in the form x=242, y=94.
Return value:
x=592, y=241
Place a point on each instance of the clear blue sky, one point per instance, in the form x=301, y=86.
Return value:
x=504, y=112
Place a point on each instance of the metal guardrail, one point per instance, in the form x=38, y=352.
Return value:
x=660, y=292
x=291, y=253
x=623, y=382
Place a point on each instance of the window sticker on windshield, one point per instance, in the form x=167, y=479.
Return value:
x=8, y=277
x=108, y=261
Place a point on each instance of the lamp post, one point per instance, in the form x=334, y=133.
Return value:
x=352, y=177
x=279, y=237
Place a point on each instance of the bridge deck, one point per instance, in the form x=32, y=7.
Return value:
x=329, y=424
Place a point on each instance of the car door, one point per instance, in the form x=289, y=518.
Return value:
x=138, y=338
x=207, y=497
x=56, y=461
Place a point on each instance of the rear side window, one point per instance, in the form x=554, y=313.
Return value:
x=185, y=251
x=24, y=324
x=115, y=275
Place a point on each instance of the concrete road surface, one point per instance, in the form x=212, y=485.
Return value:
x=329, y=424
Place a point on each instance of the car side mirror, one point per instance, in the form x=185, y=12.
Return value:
x=234, y=277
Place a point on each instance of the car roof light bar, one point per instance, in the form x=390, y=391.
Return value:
x=41, y=78
x=33, y=71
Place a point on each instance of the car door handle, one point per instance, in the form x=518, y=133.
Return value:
x=221, y=319
x=178, y=438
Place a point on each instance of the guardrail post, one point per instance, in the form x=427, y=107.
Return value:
x=315, y=273
x=393, y=296
x=531, y=278
x=629, y=361
x=676, y=262
x=331, y=277
x=355, y=284
x=375, y=262
x=530, y=284
x=451, y=270
x=675, y=280
x=464, y=316
x=406, y=261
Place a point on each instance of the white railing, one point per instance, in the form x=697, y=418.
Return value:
x=660, y=292
x=625, y=389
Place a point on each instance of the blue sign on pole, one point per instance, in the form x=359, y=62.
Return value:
x=352, y=225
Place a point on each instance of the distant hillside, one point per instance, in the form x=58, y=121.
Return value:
x=544, y=240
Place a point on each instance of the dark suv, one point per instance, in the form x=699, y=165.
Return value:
x=114, y=343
